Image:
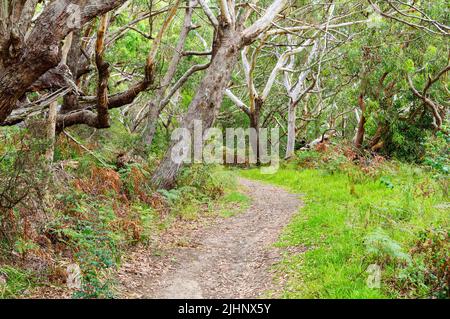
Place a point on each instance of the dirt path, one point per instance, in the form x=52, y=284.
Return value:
x=231, y=258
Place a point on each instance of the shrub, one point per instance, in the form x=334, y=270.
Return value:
x=437, y=153
x=24, y=175
x=207, y=180
x=384, y=249
x=429, y=274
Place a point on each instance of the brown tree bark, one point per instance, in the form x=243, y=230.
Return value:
x=40, y=51
x=359, y=139
x=229, y=40
x=206, y=102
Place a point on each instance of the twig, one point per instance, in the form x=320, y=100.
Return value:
x=84, y=147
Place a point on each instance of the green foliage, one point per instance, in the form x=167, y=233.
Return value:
x=173, y=195
x=14, y=281
x=103, y=206
x=429, y=273
x=22, y=246
x=135, y=179
x=23, y=177
x=437, y=153
x=405, y=142
x=308, y=159
x=355, y=213
x=86, y=228
x=105, y=145
x=200, y=187
x=387, y=182
x=383, y=248
x=409, y=66
x=352, y=220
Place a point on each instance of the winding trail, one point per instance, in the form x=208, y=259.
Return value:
x=231, y=258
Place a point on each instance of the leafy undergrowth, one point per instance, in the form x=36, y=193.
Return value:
x=89, y=209
x=361, y=220
x=14, y=281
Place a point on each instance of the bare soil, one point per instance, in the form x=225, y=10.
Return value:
x=220, y=258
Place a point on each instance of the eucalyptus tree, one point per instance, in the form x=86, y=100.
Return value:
x=96, y=56
x=374, y=71
x=30, y=45
x=397, y=67
x=102, y=101
x=231, y=36
x=256, y=100
x=300, y=51
x=168, y=87
x=296, y=91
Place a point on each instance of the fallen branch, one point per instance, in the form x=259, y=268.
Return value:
x=84, y=148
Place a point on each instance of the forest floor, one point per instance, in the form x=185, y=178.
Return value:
x=216, y=258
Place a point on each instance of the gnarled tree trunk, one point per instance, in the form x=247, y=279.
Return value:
x=230, y=38
x=206, y=103
x=39, y=52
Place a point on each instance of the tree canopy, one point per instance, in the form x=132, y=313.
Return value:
x=98, y=98
x=377, y=68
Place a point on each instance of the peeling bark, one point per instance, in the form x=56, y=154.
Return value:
x=230, y=39
x=205, y=104
x=40, y=51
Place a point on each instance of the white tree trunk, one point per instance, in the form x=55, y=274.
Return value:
x=292, y=118
x=296, y=94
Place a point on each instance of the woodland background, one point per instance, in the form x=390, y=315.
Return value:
x=90, y=92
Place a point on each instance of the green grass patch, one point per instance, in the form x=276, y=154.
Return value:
x=234, y=203
x=351, y=223
x=14, y=281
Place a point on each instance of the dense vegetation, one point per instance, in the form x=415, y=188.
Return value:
x=91, y=92
x=383, y=213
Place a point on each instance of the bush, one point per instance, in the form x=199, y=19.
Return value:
x=429, y=274
x=24, y=175
x=384, y=249
x=437, y=153
x=405, y=141
x=308, y=159
x=206, y=180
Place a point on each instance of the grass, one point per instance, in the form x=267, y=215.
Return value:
x=351, y=219
x=341, y=214
x=103, y=211
x=234, y=203
x=14, y=282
